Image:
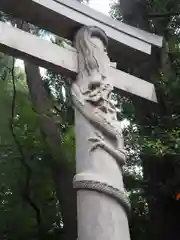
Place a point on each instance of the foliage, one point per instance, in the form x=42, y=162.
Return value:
x=13, y=177
x=155, y=134
x=27, y=189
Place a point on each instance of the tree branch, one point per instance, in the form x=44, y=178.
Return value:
x=61, y=170
x=26, y=190
x=163, y=15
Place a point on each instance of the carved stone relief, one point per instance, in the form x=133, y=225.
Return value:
x=100, y=140
x=91, y=92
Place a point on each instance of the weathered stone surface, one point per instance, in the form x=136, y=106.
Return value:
x=62, y=60
x=102, y=202
x=99, y=216
x=72, y=15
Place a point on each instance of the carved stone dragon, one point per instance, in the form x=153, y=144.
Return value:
x=91, y=92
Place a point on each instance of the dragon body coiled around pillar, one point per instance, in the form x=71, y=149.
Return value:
x=91, y=92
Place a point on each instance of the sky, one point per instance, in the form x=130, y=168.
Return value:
x=100, y=5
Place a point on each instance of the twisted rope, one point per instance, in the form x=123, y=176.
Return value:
x=105, y=189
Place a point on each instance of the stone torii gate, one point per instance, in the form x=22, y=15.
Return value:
x=103, y=206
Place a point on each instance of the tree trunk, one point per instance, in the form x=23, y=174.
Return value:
x=62, y=174
x=163, y=209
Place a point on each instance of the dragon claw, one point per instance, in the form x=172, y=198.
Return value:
x=95, y=146
x=93, y=139
x=99, y=136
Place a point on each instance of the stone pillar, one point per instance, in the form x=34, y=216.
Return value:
x=102, y=204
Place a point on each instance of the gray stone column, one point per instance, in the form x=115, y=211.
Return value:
x=102, y=205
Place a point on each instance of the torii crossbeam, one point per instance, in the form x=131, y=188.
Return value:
x=16, y=42
x=64, y=17
x=103, y=206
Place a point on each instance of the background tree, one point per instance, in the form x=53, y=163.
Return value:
x=37, y=138
x=157, y=129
